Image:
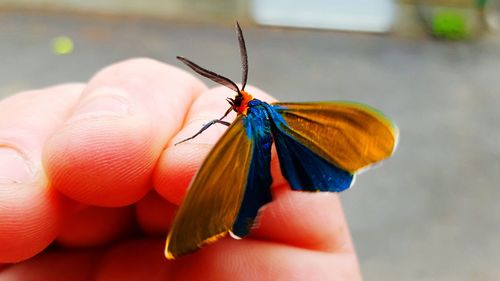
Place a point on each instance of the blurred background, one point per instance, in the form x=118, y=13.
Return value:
x=432, y=212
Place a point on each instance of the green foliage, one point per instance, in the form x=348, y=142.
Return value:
x=450, y=25
x=481, y=3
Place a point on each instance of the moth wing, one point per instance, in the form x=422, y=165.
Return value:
x=211, y=205
x=350, y=135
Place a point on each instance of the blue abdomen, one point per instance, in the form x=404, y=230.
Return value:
x=257, y=190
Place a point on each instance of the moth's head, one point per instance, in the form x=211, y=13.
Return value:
x=240, y=102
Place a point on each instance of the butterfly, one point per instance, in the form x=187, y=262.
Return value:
x=320, y=147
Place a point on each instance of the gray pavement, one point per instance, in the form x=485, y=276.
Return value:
x=432, y=212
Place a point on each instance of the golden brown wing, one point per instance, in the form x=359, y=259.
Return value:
x=214, y=197
x=348, y=134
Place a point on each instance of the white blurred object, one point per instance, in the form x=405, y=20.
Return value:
x=493, y=14
x=352, y=15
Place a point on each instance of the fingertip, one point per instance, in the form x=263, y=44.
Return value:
x=106, y=151
x=105, y=163
x=179, y=163
x=31, y=212
x=305, y=219
x=176, y=168
x=32, y=222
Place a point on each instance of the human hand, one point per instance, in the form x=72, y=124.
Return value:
x=78, y=164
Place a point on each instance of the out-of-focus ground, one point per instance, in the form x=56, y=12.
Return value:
x=432, y=212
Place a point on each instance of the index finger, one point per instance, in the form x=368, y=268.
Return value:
x=106, y=150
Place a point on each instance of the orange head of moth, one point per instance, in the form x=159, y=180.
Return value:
x=240, y=102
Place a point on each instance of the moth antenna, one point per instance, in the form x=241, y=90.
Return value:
x=217, y=78
x=243, y=55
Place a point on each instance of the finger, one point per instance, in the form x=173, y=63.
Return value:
x=122, y=262
x=96, y=226
x=179, y=163
x=105, y=152
x=259, y=260
x=30, y=211
x=55, y=266
x=304, y=219
x=155, y=214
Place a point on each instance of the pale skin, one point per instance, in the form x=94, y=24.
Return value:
x=69, y=152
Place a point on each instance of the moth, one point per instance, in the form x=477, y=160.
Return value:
x=320, y=146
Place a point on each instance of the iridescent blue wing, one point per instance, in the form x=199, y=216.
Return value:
x=322, y=145
x=306, y=170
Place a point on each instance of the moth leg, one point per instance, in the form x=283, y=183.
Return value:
x=225, y=114
x=206, y=126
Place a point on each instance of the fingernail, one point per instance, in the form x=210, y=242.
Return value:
x=14, y=167
x=103, y=102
